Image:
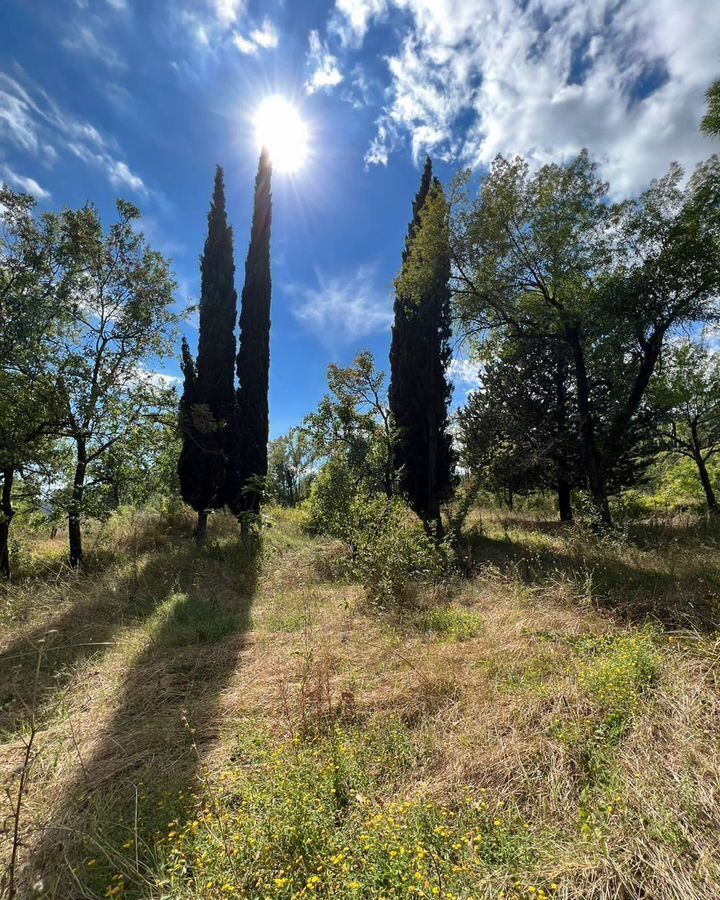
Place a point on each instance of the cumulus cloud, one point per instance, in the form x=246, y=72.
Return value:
x=473, y=78
x=23, y=183
x=343, y=308
x=32, y=121
x=325, y=73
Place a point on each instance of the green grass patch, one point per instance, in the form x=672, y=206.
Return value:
x=306, y=817
x=451, y=623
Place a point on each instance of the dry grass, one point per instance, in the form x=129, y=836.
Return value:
x=555, y=706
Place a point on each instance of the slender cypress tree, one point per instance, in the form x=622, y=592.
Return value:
x=253, y=359
x=419, y=392
x=207, y=404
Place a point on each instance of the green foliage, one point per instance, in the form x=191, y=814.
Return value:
x=420, y=393
x=391, y=551
x=290, y=466
x=517, y=429
x=395, y=554
x=207, y=405
x=250, y=436
x=685, y=397
x=546, y=256
x=354, y=422
x=711, y=120
x=301, y=819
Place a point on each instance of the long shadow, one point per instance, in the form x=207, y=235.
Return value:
x=103, y=602
x=136, y=776
x=684, y=595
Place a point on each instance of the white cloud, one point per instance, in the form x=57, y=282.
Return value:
x=325, y=71
x=343, y=308
x=354, y=17
x=34, y=122
x=23, y=183
x=86, y=42
x=227, y=11
x=473, y=78
x=244, y=45
x=464, y=373
x=266, y=36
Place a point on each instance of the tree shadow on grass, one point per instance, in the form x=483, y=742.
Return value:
x=134, y=776
x=655, y=573
x=111, y=591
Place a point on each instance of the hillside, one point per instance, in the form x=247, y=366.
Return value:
x=224, y=724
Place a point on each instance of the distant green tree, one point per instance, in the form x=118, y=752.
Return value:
x=354, y=422
x=290, y=460
x=711, y=120
x=121, y=316
x=686, y=395
x=250, y=436
x=206, y=422
x=420, y=392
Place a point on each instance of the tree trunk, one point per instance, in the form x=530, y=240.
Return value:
x=201, y=528
x=510, y=499
x=592, y=461
x=707, y=485
x=6, y=514
x=564, y=501
x=74, y=532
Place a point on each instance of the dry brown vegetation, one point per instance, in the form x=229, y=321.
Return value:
x=558, y=710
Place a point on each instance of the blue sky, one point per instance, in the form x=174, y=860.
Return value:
x=141, y=98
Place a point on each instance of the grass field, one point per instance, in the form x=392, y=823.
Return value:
x=242, y=723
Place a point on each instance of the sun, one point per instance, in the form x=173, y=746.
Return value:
x=280, y=128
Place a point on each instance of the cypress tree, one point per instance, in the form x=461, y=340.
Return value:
x=253, y=359
x=207, y=404
x=419, y=392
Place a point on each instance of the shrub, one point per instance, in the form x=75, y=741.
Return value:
x=396, y=554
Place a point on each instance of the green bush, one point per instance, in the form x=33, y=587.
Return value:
x=395, y=555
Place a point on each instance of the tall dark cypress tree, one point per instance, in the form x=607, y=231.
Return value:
x=253, y=359
x=207, y=404
x=419, y=391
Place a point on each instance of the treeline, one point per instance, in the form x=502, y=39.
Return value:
x=590, y=322
x=86, y=313
x=83, y=421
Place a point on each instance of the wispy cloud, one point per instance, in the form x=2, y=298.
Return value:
x=266, y=36
x=85, y=41
x=343, y=308
x=263, y=38
x=324, y=70
x=32, y=121
x=23, y=183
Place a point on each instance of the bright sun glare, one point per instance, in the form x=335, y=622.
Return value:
x=278, y=127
